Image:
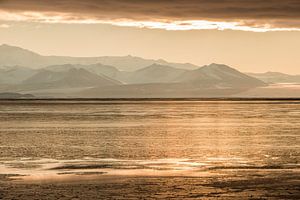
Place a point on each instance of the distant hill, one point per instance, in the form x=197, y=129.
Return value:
x=276, y=77
x=68, y=79
x=56, y=76
x=15, y=56
x=213, y=76
x=156, y=90
x=11, y=56
x=10, y=95
x=98, y=69
x=15, y=74
x=155, y=74
x=219, y=76
x=213, y=80
x=98, y=80
x=273, y=91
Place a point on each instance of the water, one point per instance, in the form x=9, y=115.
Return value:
x=56, y=141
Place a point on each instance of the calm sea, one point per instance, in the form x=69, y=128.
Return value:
x=214, y=140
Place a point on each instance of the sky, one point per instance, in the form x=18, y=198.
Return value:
x=250, y=35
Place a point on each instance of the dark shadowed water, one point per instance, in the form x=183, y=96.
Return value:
x=209, y=149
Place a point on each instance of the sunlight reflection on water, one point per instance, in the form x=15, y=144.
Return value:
x=91, y=140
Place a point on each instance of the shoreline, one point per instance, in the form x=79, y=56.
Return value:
x=133, y=187
x=157, y=99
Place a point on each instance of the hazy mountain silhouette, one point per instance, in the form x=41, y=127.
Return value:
x=15, y=74
x=94, y=68
x=11, y=56
x=67, y=79
x=156, y=90
x=112, y=76
x=10, y=95
x=62, y=68
x=99, y=69
x=219, y=75
x=214, y=75
x=214, y=80
x=15, y=56
x=276, y=77
x=155, y=74
x=274, y=90
x=99, y=80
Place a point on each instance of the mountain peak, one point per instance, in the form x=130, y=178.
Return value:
x=156, y=66
x=12, y=55
x=10, y=46
x=15, y=49
x=4, y=45
x=217, y=65
x=275, y=73
x=220, y=75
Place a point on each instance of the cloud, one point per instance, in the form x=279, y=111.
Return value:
x=253, y=15
x=4, y=26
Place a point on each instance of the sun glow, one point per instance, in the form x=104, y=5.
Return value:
x=183, y=25
x=200, y=25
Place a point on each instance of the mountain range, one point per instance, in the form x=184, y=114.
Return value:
x=26, y=72
x=276, y=77
x=16, y=56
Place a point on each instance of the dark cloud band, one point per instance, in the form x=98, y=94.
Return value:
x=278, y=13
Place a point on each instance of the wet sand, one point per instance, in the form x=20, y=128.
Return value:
x=273, y=186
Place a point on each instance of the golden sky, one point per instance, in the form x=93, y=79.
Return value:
x=251, y=35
